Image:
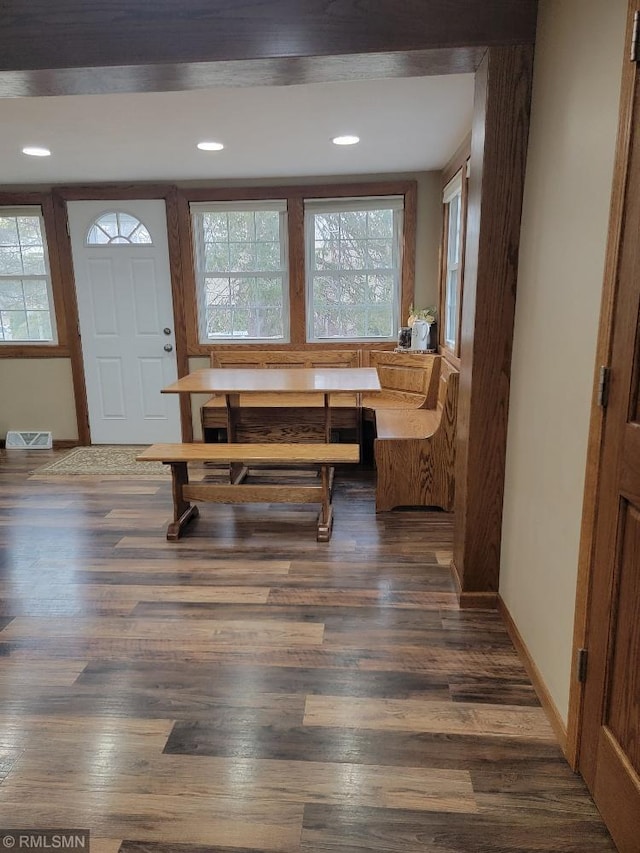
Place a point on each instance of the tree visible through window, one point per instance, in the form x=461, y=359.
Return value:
x=353, y=268
x=26, y=303
x=241, y=270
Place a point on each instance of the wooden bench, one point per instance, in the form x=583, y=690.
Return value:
x=408, y=380
x=415, y=451
x=283, y=422
x=178, y=456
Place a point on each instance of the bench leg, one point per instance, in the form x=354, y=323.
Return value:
x=183, y=511
x=325, y=518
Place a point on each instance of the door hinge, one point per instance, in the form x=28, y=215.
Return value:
x=603, y=386
x=635, y=48
x=66, y=222
x=582, y=665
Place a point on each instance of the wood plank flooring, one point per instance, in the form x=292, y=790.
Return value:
x=249, y=689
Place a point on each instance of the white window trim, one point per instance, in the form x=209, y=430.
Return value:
x=34, y=210
x=196, y=208
x=347, y=205
x=452, y=189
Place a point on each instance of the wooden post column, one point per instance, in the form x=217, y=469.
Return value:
x=498, y=154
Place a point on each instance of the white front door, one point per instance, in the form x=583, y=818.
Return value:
x=121, y=266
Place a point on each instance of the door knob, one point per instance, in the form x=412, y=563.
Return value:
x=167, y=330
x=168, y=348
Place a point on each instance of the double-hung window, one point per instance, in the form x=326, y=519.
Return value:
x=26, y=299
x=240, y=251
x=452, y=199
x=353, y=268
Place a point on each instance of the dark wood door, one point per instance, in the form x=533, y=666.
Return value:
x=610, y=743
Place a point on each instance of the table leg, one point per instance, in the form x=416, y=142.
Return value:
x=327, y=420
x=325, y=519
x=237, y=471
x=183, y=511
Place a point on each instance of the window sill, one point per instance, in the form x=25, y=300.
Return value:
x=26, y=350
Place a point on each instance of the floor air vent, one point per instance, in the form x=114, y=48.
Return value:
x=19, y=440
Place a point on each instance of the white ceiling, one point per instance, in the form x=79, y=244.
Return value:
x=405, y=125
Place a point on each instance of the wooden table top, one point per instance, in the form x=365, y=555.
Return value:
x=281, y=380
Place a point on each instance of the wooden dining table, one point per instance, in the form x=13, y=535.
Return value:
x=279, y=388
x=285, y=384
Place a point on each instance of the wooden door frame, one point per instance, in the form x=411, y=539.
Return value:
x=120, y=192
x=586, y=558
x=499, y=139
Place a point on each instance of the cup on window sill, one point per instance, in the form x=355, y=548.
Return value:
x=404, y=337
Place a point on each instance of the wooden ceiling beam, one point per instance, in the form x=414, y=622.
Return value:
x=80, y=47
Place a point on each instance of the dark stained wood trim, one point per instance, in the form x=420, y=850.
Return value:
x=277, y=191
x=74, y=34
x=35, y=350
x=73, y=321
x=18, y=199
x=115, y=192
x=498, y=156
x=57, y=284
x=282, y=71
x=546, y=700
x=297, y=272
x=408, y=277
x=596, y=428
x=472, y=600
x=458, y=160
x=189, y=289
x=177, y=295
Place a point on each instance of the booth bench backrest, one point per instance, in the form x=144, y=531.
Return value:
x=409, y=378
x=286, y=358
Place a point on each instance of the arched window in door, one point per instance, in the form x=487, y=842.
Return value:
x=117, y=227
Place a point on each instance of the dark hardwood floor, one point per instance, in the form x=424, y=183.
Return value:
x=249, y=689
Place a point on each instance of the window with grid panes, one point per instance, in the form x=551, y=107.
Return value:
x=26, y=300
x=353, y=268
x=242, y=278
x=452, y=200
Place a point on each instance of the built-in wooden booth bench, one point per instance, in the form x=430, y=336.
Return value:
x=415, y=450
x=302, y=418
x=179, y=456
x=408, y=380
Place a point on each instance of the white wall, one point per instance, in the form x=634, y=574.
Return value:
x=579, y=54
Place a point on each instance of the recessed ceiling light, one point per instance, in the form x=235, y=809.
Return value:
x=210, y=146
x=36, y=151
x=345, y=140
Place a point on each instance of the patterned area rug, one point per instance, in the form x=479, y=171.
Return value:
x=102, y=461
